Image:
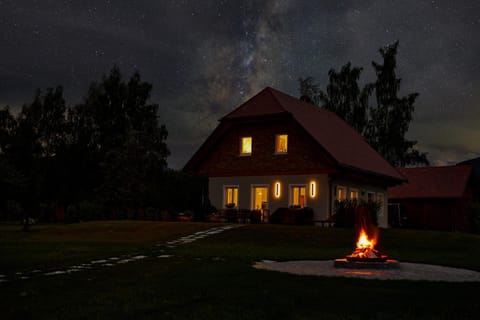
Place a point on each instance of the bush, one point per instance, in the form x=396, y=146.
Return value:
x=90, y=210
x=474, y=215
x=344, y=213
x=293, y=215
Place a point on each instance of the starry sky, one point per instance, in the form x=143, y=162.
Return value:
x=206, y=57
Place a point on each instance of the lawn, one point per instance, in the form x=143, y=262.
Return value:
x=212, y=278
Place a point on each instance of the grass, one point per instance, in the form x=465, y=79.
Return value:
x=52, y=245
x=213, y=278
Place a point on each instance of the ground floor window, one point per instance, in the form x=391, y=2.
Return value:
x=230, y=196
x=341, y=193
x=298, y=196
x=353, y=194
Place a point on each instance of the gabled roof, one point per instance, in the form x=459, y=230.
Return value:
x=432, y=182
x=339, y=139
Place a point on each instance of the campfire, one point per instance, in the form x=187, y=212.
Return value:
x=365, y=250
x=365, y=256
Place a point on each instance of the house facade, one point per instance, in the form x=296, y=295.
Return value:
x=276, y=151
x=435, y=198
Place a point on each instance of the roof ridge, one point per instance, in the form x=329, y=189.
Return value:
x=271, y=91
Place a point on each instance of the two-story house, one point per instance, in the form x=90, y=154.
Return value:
x=277, y=151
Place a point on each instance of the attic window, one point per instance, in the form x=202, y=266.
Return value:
x=281, y=143
x=246, y=146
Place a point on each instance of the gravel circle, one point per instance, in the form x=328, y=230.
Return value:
x=407, y=271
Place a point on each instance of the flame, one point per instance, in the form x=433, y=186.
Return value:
x=364, y=242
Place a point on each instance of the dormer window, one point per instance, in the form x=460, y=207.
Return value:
x=246, y=146
x=281, y=143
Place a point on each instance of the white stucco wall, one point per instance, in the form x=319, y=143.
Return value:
x=319, y=203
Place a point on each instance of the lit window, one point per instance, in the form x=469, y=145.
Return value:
x=281, y=143
x=341, y=193
x=353, y=194
x=246, y=147
x=298, y=196
x=231, y=197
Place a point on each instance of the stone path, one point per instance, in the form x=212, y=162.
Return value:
x=407, y=271
x=126, y=258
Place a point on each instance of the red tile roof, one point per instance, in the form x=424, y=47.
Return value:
x=432, y=182
x=338, y=138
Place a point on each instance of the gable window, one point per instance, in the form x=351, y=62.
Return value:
x=341, y=193
x=298, y=196
x=246, y=146
x=230, y=196
x=281, y=143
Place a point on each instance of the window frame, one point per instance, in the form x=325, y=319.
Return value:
x=246, y=154
x=291, y=194
x=225, y=194
x=277, y=139
x=344, y=188
x=350, y=191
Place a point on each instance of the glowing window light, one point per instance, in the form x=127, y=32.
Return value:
x=281, y=145
x=313, y=189
x=246, y=147
x=277, y=190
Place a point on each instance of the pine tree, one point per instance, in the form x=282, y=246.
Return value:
x=390, y=118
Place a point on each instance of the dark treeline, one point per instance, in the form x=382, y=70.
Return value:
x=376, y=111
x=104, y=158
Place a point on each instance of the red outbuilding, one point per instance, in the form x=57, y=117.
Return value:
x=436, y=198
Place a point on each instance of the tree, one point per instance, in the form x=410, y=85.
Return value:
x=343, y=95
x=122, y=133
x=391, y=117
x=384, y=126
x=39, y=139
x=109, y=151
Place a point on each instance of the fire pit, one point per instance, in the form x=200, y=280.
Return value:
x=365, y=256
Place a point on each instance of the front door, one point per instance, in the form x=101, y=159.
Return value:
x=260, y=202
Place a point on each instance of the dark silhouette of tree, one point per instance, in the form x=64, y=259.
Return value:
x=343, y=95
x=384, y=126
x=38, y=140
x=309, y=90
x=105, y=156
x=120, y=131
x=391, y=117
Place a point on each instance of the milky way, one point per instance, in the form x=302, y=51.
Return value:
x=206, y=57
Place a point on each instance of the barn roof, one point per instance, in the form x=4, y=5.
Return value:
x=337, y=137
x=432, y=182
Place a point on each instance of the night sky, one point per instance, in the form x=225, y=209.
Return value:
x=204, y=58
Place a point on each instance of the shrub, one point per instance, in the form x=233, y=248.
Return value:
x=474, y=215
x=293, y=215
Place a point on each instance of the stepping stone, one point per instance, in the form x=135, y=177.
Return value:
x=54, y=273
x=98, y=261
